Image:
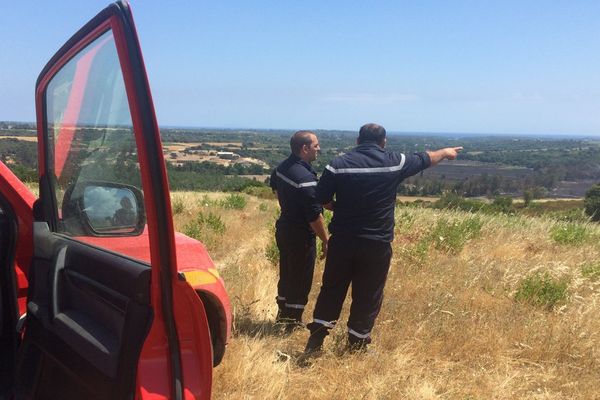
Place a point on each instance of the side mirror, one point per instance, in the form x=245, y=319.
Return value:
x=104, y=209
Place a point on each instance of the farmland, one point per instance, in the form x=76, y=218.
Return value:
x=224, y=159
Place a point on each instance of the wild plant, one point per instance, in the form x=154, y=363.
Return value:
x=542, y=290
x=569, y=234
x=203, y=225
x=451, y=236
x=178, y=205
x=591, y=270
x=234, y=201
x=213, y=222
x=272, y=252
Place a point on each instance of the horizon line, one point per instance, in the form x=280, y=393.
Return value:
x=390, y=132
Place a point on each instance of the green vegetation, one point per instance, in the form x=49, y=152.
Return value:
x=272, y=251
x=206, y=177
x=569, y=234
x=573, y=215
x=178, y=205
x=452, y=201
x=451, y=236
x=568, y=211
x=591, y=270
x=503, y=204
x=488, y=166
x=262, y=192
x=592, y=202
x=203, y=225
x=541, y=290
x=20, y=156
x=234, y=201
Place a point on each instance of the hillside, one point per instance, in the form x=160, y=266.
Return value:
x=484, y=306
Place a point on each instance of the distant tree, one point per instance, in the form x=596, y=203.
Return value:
x=591, y=203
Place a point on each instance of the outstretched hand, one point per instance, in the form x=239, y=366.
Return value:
x=452, y=152
x=447, y=153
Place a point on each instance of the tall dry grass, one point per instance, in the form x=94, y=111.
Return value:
x=450, y=327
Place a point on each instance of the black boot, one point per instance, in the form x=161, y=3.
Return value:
x=280, y=310
x=290, y=318
x=314, y=345
x=358, y=345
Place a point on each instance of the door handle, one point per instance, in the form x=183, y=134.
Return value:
x=54, y=293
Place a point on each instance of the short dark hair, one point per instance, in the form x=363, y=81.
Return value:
x=300, y=139
x=371, y=133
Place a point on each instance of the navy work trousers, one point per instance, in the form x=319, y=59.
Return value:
x=297, y=253
x=363, y=263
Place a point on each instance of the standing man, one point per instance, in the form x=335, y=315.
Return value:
x=364, y=182
x=295, y=183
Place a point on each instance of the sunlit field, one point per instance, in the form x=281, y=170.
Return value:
x=476, y=307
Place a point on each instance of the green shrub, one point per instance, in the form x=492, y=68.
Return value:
x=591, y=271
x=206, y=202
x=574, y=215
x=451, y=237
x=203, y=224
x=272, y=252
x=541, y=290
x=591, y=202
x=263, y=207
x=214, y=222
x=178, y=206
x=234, y=202
x=453, y=201
x=416, y=255
x=503, y=204
x=262, y=192
x=25, y=174
x=193, y=229
x=569, y=234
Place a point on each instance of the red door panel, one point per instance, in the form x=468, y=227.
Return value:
x=99, y=145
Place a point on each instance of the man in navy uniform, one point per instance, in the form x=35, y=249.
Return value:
x=364, y=182
x=295, y=183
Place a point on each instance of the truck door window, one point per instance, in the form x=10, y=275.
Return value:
x=92, y=153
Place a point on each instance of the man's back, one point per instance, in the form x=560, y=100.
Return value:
x=365, y=182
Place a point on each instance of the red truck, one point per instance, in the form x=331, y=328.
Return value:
x=100, y=297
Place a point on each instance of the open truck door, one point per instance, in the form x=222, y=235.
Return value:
x=107, y=315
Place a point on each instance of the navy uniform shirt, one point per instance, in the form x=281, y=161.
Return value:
x=295, y=182
x=364, y=182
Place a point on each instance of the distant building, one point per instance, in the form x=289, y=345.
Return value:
x=227, y=155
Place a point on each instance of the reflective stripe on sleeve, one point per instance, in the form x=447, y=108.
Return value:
x=281, y=298
x=359, y=335
x=368, y=170
x=326, y=324
x=296, y=306
x=294, y=184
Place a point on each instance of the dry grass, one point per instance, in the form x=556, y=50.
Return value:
x=449, y=328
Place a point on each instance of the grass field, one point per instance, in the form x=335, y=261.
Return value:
x=476, y=307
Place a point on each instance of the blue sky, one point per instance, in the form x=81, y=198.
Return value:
x=526, y=66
